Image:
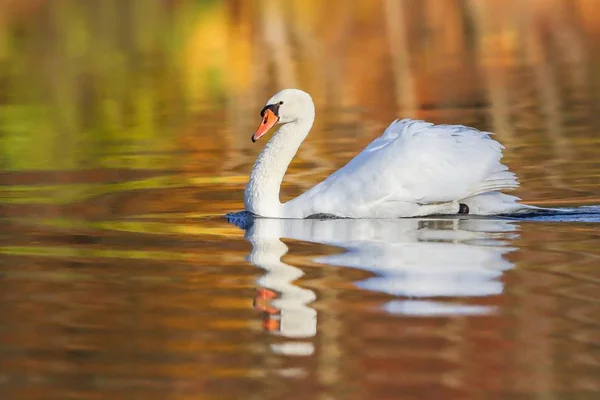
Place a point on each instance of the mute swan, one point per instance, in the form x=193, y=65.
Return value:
x=414, y=169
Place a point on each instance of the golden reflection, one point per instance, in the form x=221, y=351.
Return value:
x=124, y=138
x=190, y=74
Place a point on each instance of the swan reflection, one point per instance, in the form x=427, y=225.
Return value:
x=420, y=261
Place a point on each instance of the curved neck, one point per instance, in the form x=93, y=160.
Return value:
x=262, y=192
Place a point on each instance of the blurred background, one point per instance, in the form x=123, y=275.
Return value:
x=125, y=135
x=108, y=84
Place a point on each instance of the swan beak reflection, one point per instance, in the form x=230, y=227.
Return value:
x=268, y=120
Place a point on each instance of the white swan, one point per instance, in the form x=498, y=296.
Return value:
x=414, y=169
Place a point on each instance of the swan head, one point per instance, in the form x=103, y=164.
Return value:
x=285, y=106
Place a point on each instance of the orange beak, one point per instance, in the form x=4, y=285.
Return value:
x=269, y=119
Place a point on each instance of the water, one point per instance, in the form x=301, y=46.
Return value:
x=125, y=142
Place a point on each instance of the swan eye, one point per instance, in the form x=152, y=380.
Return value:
x=281, y=102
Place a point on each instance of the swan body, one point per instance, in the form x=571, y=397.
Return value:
x=414, y=168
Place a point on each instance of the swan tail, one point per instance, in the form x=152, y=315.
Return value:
x=493, y=203
x=501, y=180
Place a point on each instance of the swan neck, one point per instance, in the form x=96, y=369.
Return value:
x=262, y=192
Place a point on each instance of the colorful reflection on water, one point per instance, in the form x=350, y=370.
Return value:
x=125, y=139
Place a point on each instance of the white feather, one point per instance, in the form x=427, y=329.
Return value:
x=413, y=164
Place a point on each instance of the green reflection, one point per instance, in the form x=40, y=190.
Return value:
x=65, y=194
x=57, y=251
x=79, y=78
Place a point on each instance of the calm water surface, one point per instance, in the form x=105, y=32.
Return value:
x=125, y=140
x=139, y=293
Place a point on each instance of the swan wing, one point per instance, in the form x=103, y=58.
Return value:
x=415, y=162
